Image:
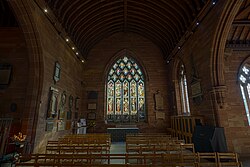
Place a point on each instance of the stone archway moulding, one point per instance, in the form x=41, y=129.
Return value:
x=218, y=90
x=23, y=12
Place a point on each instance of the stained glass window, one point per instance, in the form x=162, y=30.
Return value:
x=125, y=92
x=244, y=79
x=184, y=91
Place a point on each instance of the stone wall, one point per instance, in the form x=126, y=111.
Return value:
x=13, y=51
x=234, y=118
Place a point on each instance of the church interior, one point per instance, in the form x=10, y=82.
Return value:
x=124, y=69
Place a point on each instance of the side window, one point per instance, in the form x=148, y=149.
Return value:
x=183, y=91
x=244, y=78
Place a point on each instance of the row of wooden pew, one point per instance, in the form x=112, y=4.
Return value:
x=159, y=160
x=141, y=150
x=76, y=144
x=155, y=143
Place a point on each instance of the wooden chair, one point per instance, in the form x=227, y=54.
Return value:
x=228, y=159
x=207, y=159
x=187, y=148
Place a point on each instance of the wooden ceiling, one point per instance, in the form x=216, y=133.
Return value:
x=239, y=36
x=163, y=22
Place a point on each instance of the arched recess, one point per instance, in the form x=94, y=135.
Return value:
x=181, y=102
x=129, y=117
x=23, y=13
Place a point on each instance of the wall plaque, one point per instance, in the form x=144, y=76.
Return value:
x=158, y=101
x=57, y=72
x=196, y=89
x=160, y=115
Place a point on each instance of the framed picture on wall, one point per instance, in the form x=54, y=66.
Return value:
x=77, y=101
x=57, y=71
x=196, y=89
x=91, y=106
x=71, y=99
x=91, y=116
x=5, y=74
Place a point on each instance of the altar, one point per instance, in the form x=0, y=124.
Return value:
x=119, y=134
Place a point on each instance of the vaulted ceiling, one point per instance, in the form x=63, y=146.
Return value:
x=164, y=22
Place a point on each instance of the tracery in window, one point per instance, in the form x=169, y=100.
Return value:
x=244, y=78
x=125, y=92
x=183, y=91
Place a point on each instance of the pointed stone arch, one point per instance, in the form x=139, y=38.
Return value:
x=218, y=91
x=219, y=42
x=23, y=13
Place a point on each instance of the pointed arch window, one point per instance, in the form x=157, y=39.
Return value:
x=183, y=91
x=244, y=78
x=125, y=90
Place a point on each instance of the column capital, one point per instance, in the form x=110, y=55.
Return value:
x=218, y=94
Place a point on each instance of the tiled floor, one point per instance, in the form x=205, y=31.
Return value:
x=117, y=148
x=245, y=159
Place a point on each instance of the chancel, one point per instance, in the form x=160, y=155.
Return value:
x=150, y=78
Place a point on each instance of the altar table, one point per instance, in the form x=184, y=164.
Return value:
x=119, y=134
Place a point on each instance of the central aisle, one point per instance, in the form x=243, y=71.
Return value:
x=118, y=148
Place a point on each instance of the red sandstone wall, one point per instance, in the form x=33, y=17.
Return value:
x=13, y=51
x=54, y=48
x=234, y=118
x=196, y=53
x=39, y=32
x=148, y=55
